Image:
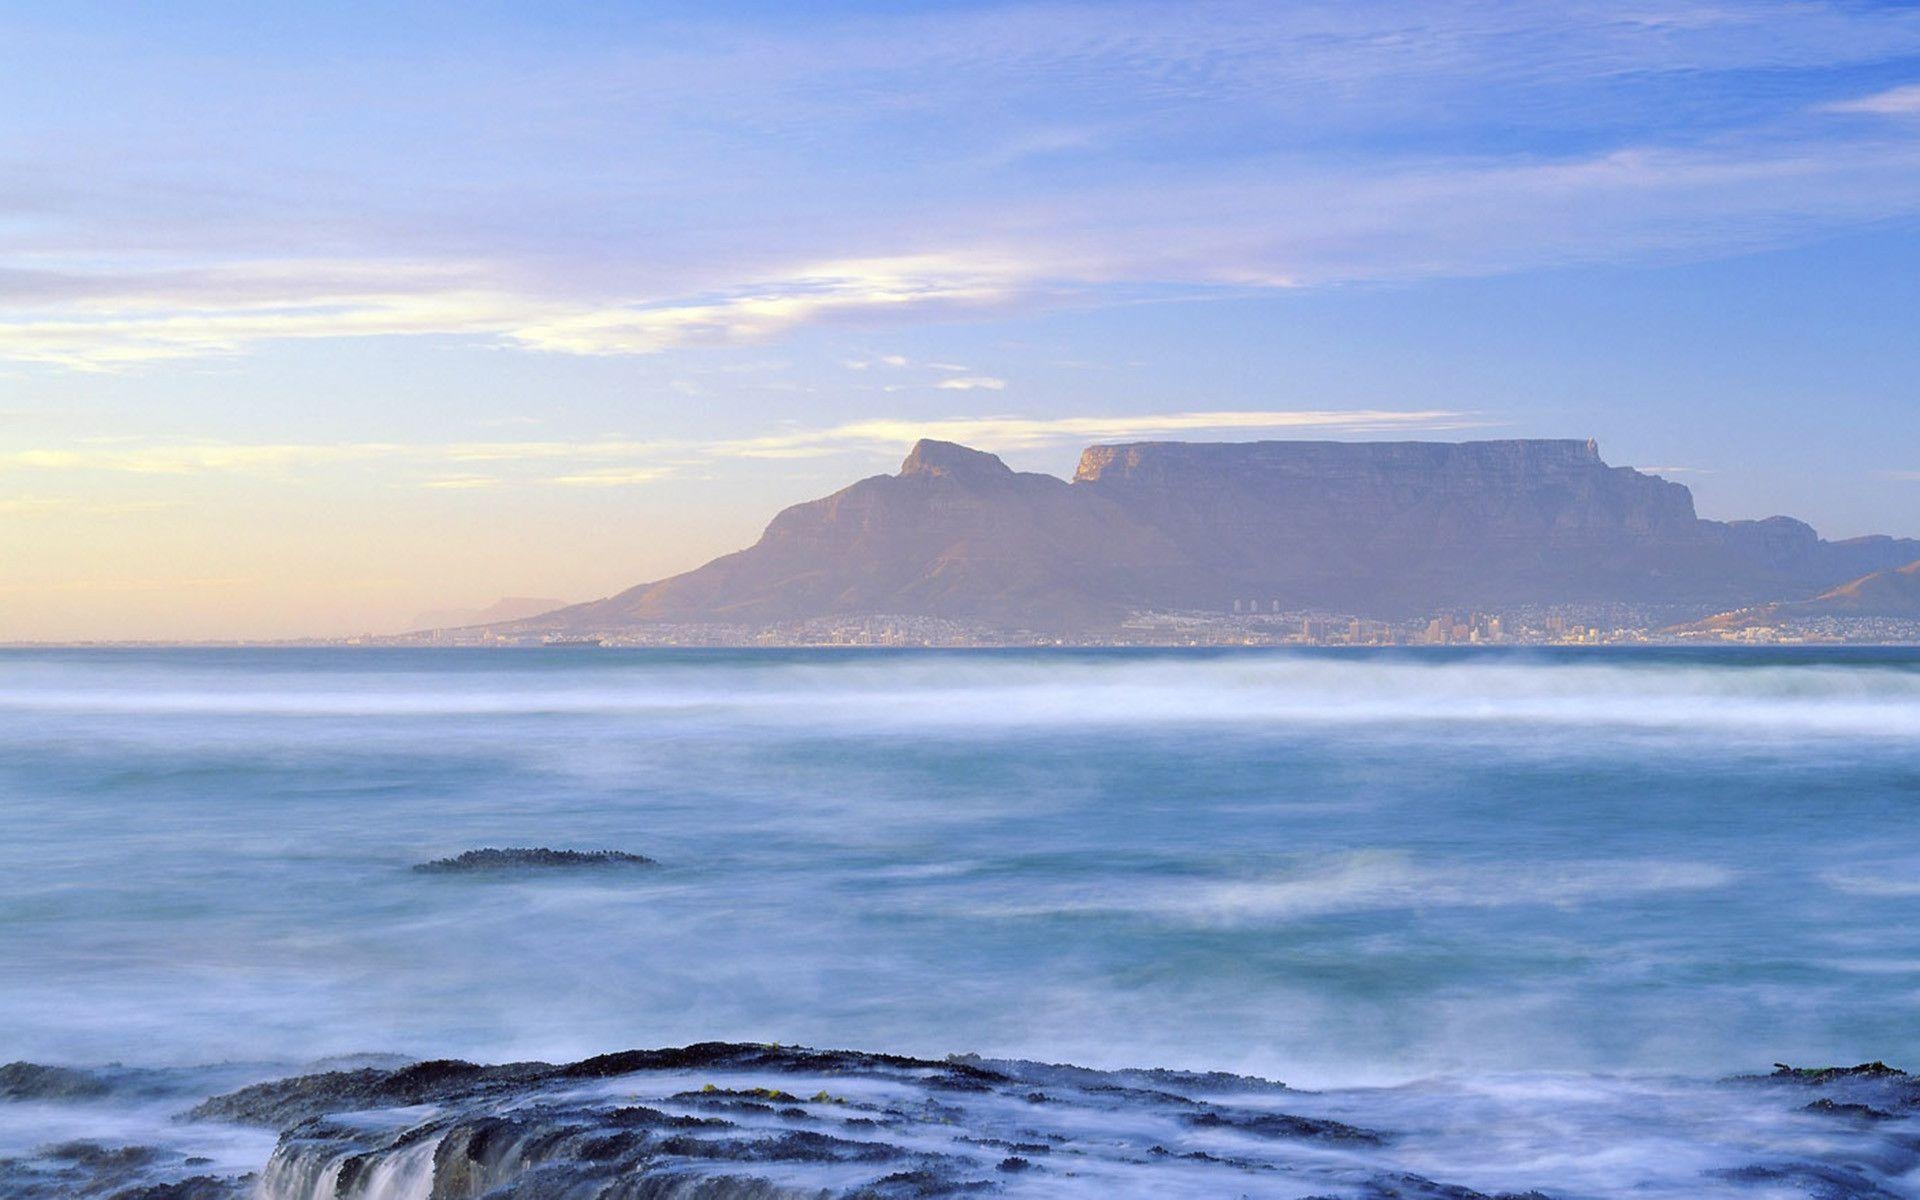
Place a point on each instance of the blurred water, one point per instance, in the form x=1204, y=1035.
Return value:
x=1326, y=868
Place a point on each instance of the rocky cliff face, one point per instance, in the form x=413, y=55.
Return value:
x=1382, y=528
x=1388, y=526
x=954, y=534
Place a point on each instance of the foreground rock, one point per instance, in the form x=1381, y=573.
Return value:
x=71, y=1170
x=717, y=1121
x=723, y=1120
x=477, y=862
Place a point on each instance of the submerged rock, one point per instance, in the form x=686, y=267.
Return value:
x=72, y=1170
x=1868, y=1090
x=28, y=1081
x=34, y=1081
x=1816, y=1076
x=540, y=858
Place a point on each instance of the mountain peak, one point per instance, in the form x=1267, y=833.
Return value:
x=1385, y=529
x=930, y=457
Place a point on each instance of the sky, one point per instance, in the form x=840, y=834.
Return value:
x=317, y=317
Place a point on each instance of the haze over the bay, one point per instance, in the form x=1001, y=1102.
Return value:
x=315, y=319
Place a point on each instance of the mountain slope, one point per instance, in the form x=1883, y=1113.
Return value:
x=1381, y=528
x=1894, y=595
x=507, y=608
x=955, y=534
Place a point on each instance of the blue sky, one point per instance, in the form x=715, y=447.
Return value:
x=312, y=317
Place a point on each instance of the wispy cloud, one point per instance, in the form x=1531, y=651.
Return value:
x=128, y=584
x=1283, y=226
x=200, y=458
x=612, y=477
x=1894, y=102
x=925, y=284
x=71, y=506
x=619, y=462
x=1019, y=433
x=459, y=483
x=972, y=383
x=97, y=324
x=901, y=197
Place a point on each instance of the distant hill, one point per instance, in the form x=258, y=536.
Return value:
x=510, y=608
x=1376, y=528
x=1894, y=595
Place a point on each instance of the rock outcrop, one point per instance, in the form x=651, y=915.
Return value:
x=1375, y=528
x=493, y=860
x=720, y=1120
x=723, y=1120
x=89, y=1170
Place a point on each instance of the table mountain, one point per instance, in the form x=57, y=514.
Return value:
x=1378, y=528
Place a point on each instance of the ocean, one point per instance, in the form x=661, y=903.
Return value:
x=1565, y=883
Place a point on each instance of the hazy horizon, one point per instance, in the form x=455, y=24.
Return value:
x=1061, y=599
x=312, y=321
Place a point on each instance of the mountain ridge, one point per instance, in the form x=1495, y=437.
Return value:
x=1376, y=528
x=1893, y=594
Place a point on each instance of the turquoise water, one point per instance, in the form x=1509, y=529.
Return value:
x=1332, y=869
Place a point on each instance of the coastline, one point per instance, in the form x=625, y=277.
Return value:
x=1513, y=912
x=757, y=1121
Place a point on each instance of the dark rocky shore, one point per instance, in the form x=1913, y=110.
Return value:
x=722, y=1120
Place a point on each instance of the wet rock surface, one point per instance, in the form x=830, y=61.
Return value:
x=25, y=1081
x=724, y=1120
x=536, y=858
x=92, y=1169
x=33, y=1081
x=713, y=1121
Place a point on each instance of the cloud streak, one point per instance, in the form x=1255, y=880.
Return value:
x=619, y=462
x=971, y=383
x=1021, y=433
x=1282, y=227
x=70, y=506
x=939, y=166
x=1894, y=102
x=77, y=320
